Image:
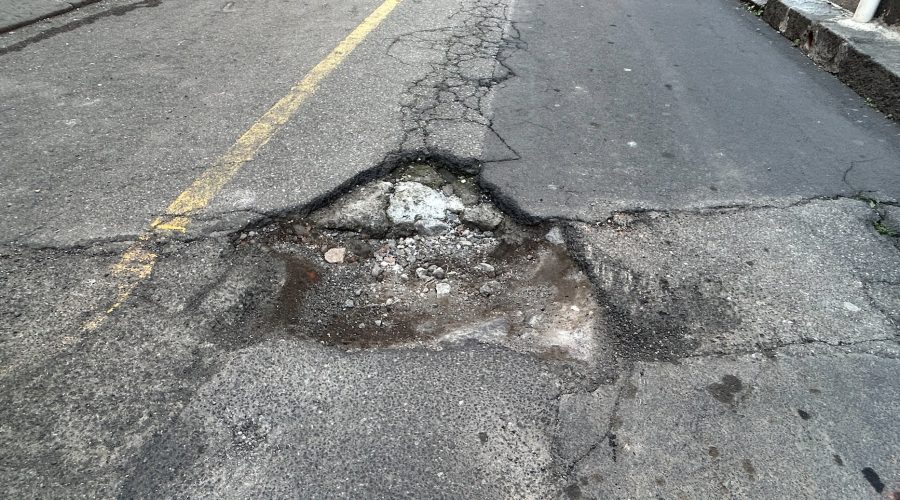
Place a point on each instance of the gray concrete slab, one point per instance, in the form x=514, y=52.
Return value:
x=808, y=423
x=693, y=284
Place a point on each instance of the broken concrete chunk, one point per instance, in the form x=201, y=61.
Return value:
x=489, y=288
x=412, y=201
x=360, y=210
x=455, y=205
x=417, y=206
x=483, y=216
x=335, y=255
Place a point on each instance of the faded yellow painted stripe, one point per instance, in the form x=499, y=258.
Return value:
x=211, y=181
x=137, y=262
x=134, y=266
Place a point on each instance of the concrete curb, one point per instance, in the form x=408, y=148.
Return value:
x=866, y=57
x=25, y=12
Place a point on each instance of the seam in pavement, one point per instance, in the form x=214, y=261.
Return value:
x=118, y=10
x=770, y=350
x=62, y=9
x=505, y=203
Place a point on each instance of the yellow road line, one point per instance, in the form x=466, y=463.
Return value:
x=137, y=262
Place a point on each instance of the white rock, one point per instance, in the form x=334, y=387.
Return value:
x=442, y=289
x=454, y=204
x=850, y=306
x=335, y=255
x=411, y=201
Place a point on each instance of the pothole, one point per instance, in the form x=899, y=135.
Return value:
x=424, y=257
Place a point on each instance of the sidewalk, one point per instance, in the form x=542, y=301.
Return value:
x=865, y=56
x=15, y=14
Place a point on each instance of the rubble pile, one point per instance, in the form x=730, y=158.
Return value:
x=424, y=257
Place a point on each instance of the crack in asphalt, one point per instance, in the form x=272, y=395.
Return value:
x=119, y=10
x=457, y=89
x=770, y=349
x=609, y=436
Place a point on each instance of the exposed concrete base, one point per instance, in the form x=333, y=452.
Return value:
x=864, y=56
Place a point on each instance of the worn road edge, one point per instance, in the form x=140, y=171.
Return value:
x=866, y=57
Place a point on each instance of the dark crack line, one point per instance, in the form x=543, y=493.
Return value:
x=455, y=88
x=609, y=436
x=119, y=10
x=768, y=349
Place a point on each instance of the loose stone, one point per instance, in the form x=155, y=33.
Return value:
x=485, y=268
x=335, y=255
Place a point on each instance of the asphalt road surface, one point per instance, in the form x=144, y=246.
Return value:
x=734, y=207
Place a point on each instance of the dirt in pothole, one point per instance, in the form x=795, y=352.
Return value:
x=424, y=258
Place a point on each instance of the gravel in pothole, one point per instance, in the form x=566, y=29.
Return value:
x=424, y=257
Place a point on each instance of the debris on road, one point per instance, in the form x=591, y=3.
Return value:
x=428, y=259
x=335, y=255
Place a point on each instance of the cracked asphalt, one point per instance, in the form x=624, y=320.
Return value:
x=734, y=207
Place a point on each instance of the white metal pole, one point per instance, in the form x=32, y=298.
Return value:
x=865, y=11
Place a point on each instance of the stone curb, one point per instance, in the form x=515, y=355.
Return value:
x=866, y=57
x=31, y=13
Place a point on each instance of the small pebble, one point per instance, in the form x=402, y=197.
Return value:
x=335, y=255
x=485, y=268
